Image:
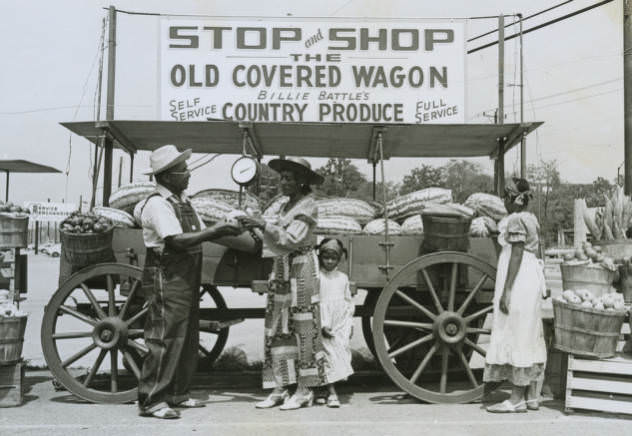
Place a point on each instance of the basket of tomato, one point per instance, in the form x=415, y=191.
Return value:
x=86, y=239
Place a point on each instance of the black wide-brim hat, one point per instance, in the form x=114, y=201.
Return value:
x=298, y=166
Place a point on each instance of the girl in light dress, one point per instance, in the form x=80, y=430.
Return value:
x=336, y=310
x=517, y=350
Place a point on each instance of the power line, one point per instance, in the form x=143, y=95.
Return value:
x=540, y=26
x=524, y=19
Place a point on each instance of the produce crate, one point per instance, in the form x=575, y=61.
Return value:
x=586, y=331
x=12, y=385
x=11, y=339
x=13, y=231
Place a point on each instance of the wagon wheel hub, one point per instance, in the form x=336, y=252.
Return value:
x=450, y=328
x=110, y=332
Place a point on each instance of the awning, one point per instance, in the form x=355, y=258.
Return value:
x=22, y=166
x=350, y=140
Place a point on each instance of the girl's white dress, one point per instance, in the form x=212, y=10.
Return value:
x=517, y=350
x=336, y=312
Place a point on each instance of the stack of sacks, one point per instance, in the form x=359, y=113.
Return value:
x=487, y=205
x=128, y=196
x=378, y=227
x=337, y=225
x=483, y=227
x=230, y=197
x=413, y=225
x=359, y=210
x=414, y=203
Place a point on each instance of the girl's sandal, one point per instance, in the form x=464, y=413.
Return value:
x=533, y=404
x=162, y=413
x=507, y=407
x=332, y=401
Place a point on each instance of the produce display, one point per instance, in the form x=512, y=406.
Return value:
x=378, y=227
x=13, y=209
x=118, y=217
x=415, y=202
x=487, y=205
x=8, y=309
x=360, y=210
x=229, y=197
x=483, y=227
x=337, y=225
x=613, y=220
x=128, y=196
x=90, y=222
x=584, y=298
x=211, y=210
x=587, y=255
x=413, y=225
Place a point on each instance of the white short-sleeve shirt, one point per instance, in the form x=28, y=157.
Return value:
x=159, y=219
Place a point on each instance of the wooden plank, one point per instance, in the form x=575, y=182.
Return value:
x=598, y=404
x=11, y=385
x=616, y=365
x=600, y=385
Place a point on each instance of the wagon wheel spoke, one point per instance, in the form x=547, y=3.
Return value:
x=95, y=304
x=111, y=303
x=481, y=312
x=415, y=304
x=139, y=315
x=477, y=348
x=78, y=355
x=135, y=333
x=470, y=330
x=71, y=335
x=138, y=347
x=423, y=364
x=411, y=324
x=132, y=363
x=411, y=345
x=114, y=370
x=78, y=315
x=130, y=296
x=472, y=294
x=433, y=292
x=468, y=370
x=95, y=368
x=453, y=283
x=443, y=382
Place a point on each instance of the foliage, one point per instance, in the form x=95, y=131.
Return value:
x=465, y=178
x=424, y=176
x=342, y=178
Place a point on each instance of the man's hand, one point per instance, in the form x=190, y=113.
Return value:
x=505, y=300
x=327, y=333
x=226, y=229
x=250, y=222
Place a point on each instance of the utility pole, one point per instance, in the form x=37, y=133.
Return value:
x=627, y=94
x=523, y=139
x=109, y=108
x=499, y=167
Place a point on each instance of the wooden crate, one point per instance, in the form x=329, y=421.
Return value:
x=12, y=385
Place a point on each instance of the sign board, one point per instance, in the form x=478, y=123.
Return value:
x=312, y=70
x=49, y=212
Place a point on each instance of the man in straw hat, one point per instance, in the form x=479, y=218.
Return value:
x=173, y=234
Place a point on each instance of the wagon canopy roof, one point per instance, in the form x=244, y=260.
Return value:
x=25, y=166
x=349, y=140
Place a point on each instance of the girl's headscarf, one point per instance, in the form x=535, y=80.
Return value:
x=518, y=196
x=332, y=244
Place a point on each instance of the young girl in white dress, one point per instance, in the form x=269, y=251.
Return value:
x=336, y=311
x=517, y=351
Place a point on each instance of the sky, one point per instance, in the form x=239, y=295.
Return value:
x=573, y=82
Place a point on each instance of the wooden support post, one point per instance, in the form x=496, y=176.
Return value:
x=109, y=108
x=6, y=194
x=627, y=95
x=579, y=226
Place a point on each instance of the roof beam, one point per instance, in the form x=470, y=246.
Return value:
x=253, y=140
x=506, y=142
x=110, y=129
x=373, y=151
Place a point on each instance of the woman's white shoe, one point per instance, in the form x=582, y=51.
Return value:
x=274, y=399
x=298, y=401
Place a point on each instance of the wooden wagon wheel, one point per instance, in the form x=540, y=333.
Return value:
x=84, y=324
x=212, y=340
x=367, y=330
x=447, y=322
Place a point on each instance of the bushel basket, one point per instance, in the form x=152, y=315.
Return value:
x=585, y=331
x=85, y=249
x=441, y=233
x=11, y=338
x=13, y=231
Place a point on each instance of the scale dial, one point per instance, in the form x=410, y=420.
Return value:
x=244, y=170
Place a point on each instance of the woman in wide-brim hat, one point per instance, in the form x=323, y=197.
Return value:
x=293, y=341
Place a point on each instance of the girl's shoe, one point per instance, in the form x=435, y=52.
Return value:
x=162, y=413
x=533, y=404
x=274, y=399
x=508, y=407
x=298, y=401
x=332, y=401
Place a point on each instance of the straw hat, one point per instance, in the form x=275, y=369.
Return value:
x=165, y=157
x=298, y=166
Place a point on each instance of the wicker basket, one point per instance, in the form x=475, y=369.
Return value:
x=85, y=249
x=11, y=339
x=13, y=231
x=596, y=279
x=586, y=331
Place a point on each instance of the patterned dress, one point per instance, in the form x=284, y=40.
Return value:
x=293, y=347
x=517, y=351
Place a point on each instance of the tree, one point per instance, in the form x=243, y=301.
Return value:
x=421, y=177
x=465, y=178
x=342, y=178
